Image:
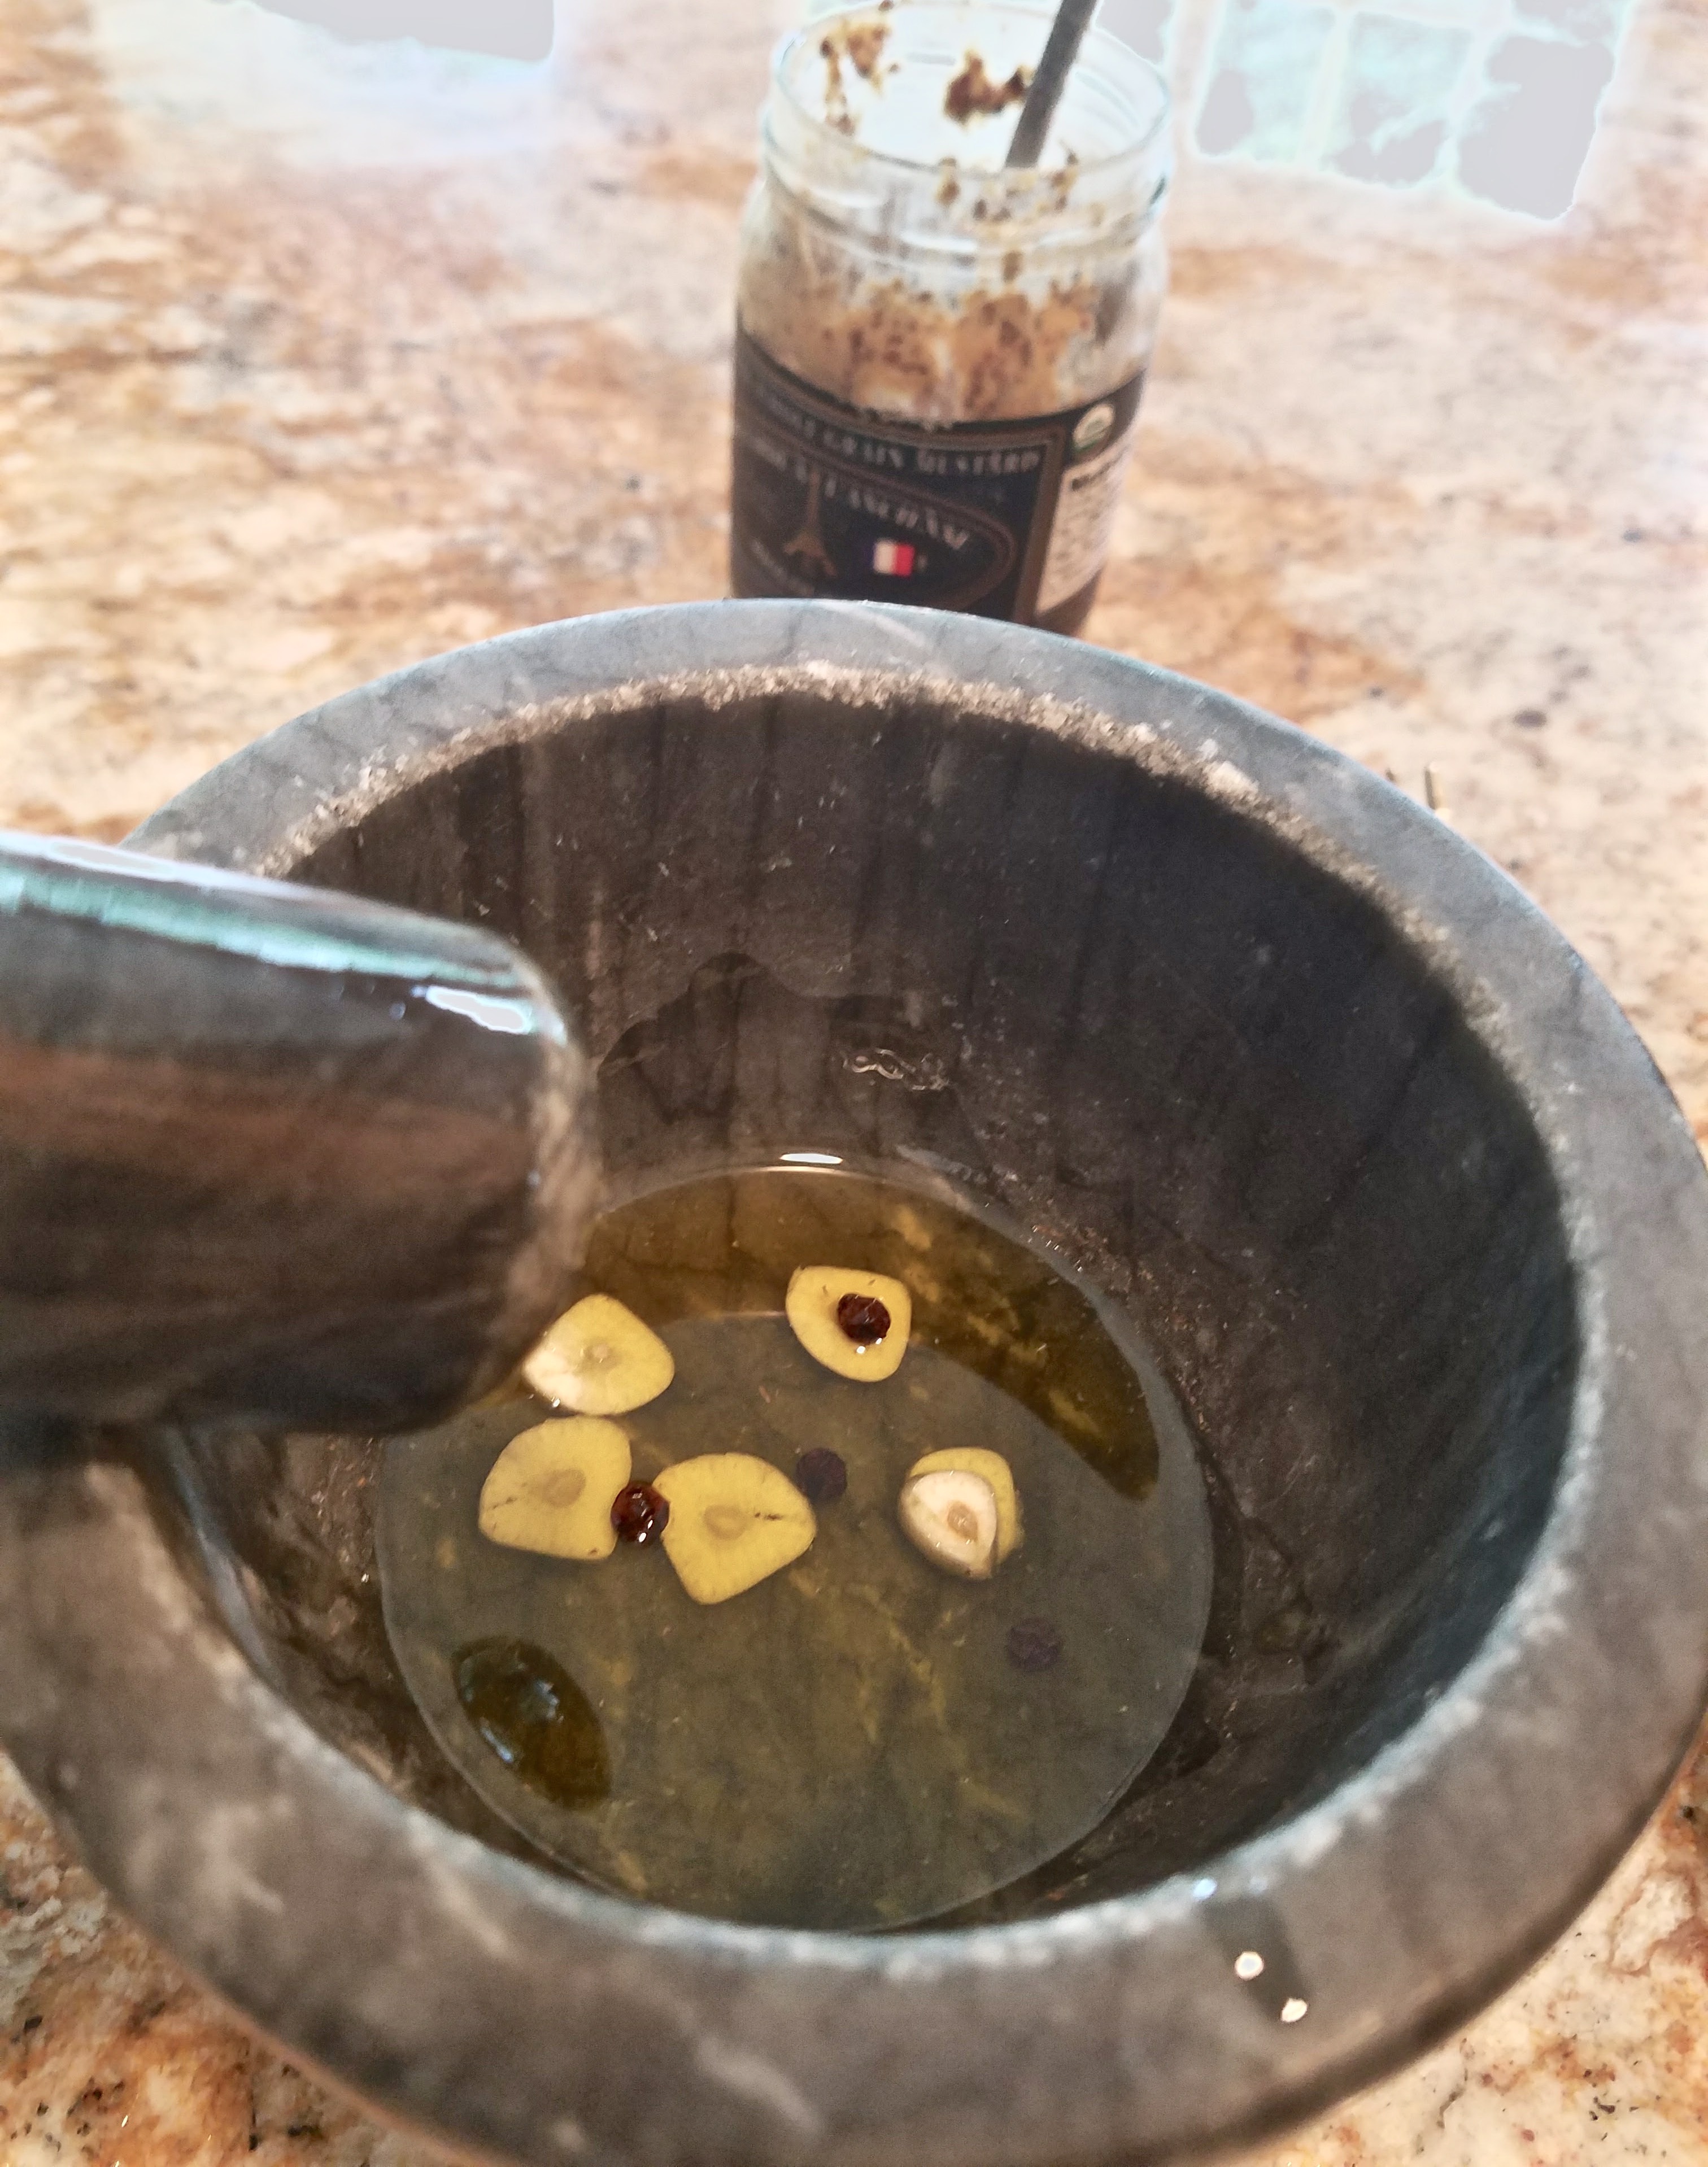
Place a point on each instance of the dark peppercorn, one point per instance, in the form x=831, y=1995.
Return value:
x=821, y=1475
x=1033, y=1645
x=639, y=1514
x=863, y=1317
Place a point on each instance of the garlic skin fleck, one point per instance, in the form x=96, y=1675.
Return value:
x=951, y=1516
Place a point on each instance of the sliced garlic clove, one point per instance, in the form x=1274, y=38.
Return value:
x=848, y=1340
x=734, y=1519
x=551, y=1487
x=952, y=1516
x=979, y=1459
x=599, y=1359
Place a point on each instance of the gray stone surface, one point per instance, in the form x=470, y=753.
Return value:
x=268, y=1155
x=1300, y=1077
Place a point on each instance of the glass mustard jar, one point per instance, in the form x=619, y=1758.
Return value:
x=938, y=361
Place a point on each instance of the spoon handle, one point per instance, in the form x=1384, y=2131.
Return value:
x=1061, y=49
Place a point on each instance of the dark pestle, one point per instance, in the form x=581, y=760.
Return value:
x=271, y=1154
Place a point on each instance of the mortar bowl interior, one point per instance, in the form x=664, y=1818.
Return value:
x=1233, y=1094
x=1294, y=1078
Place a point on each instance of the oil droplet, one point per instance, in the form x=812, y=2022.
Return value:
x=1254, y=1941
x=535, y=1718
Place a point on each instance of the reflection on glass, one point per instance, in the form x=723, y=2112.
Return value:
x=509, y=30
x=1497, y=99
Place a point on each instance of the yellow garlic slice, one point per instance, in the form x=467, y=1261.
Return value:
x=599, y=1359
x=814, y=1293
x=734, y=1519
x=552, y=1488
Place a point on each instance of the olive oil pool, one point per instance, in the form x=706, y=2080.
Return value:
x=835, y=1559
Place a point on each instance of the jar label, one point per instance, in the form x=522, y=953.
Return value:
x=1006, y=519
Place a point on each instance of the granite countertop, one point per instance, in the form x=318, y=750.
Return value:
x=319, y=357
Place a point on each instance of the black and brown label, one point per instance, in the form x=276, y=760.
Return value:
x=1006, y=519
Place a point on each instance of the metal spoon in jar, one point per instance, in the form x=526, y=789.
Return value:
x=1061, y=49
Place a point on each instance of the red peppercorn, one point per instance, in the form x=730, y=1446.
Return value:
x=863, y=1317
x=639, y=1514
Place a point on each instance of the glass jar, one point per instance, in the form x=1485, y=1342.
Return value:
x=938, y=360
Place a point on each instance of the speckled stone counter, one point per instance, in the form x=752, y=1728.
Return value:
x=317, y=356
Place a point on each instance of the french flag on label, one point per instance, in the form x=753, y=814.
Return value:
x=894, y=560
